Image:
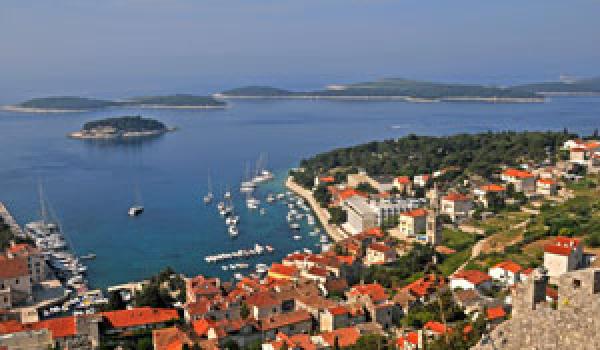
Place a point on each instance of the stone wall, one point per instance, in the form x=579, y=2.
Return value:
x=536, y=325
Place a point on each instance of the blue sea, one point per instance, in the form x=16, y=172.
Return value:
x=90, y=185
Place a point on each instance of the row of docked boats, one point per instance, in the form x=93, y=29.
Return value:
x=239, y=254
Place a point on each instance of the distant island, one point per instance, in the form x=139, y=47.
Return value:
x=395, y=88
x=121, y=127
x=590, y=86
x=79, y=104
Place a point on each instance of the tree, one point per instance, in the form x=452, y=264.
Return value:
x=337, y=215
x=231, y=345
x=244, y=311
x=144, y=344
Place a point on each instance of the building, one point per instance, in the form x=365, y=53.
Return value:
x=379, y=253
x=470, y=279
x=412, y=223
x=522, y=180
x=421, y=180
x=366, y=213
x=36, y=262
x=564, y=254
x=457, y=206
x=546, y=187
x=138, y=319
x=506, y=272
x=487, y=194
x=402, y=184
x=15, y=281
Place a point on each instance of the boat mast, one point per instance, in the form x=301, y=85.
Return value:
x=43, y=209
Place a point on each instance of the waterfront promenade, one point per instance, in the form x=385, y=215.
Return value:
x=10, y=221
x=333, y=231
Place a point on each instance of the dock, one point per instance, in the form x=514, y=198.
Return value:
x=8, y=219
x=333, y=231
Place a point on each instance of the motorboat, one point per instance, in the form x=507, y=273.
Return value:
x=135, y=210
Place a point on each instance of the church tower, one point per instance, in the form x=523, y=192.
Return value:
x=433, y=232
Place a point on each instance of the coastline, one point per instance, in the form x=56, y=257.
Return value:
x=333, y=231
x=18, y=109
x=82, y=135
x=393, y=98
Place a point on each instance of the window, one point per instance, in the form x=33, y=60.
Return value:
x=576, y=283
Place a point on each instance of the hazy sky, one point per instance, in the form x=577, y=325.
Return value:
x=130, y=47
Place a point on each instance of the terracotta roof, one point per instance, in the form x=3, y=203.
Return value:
x=327, y=179
x=403, y=180
x=375, y=232
x=350, y=192
x=492, y=188
x=345, y=336
x=338, y=310
x=436, y=327
x=22, y=248
x=139, y=316
x=552, y=293
x=567, y=241
x=280, y=269
x=509, y=266
x=412, y=338
x=425, y=285
x=284, y=319
x=495, y=313
x=262, y=299
x=199, y=307
x=374, y=290
x=527, y=271
x=296, y=342
x=558, y=250
x=455, y=197
x=13, y=267
x=317, y=271
x=10, y=326
x=442, y=249
x=380, y=247
x=516, y=173
x=476, y=277
x=171, y=338
x=201, y=326
x=415, y=213
x=59, y=327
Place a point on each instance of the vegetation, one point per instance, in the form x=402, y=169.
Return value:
x=443, y=309
x=67, y=102
x=127, y=124
x=159, y=292
x=337, y=215
x=479, y=154
x=393, y=87
x=591, y=85
x=177, y=100
x=83, y=103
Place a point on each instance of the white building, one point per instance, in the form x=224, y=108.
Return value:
x=563, y=255
x=506, y=272
x=470, y=279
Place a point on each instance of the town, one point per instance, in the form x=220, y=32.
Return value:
x=440, y=259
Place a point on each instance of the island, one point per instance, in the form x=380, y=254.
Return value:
x=394, y=89
x=80, y=104
x=121, y=127
x=566, y=86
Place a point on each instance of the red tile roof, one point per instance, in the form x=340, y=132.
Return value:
x=495, y=313
x=284, y=319
x=436, y=327
x=283, y=270
x=262, y=299
x=10, y=326
x=327, y=179
x=338, y=310
x=425, y=285
x=546, y=181
x=492, y=188
x=476, y=277
x=374, y=290
x=455, y=197
x=59, y=327
x=375, y=232
x=317, y=271
x=350, y=192
x=13, y=267
x=552, y=293
x=516, y=173
x=567, y=241
x=380, y=247
x=139, y=316
x=509, y=266
x=557, y=250
x=345, y=336
x=403, y=180
x=415, y=213
x=412, y=338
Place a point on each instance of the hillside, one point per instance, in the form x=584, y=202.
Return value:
x=67, y=103
x=583, y=86
x=181, y=100
x=393, y=88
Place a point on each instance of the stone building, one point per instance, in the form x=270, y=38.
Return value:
x=574, y=324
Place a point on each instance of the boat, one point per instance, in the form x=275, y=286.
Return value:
x=88, y=256
x=295, y=226
x=261, y=268
x=252, y=203
x=297, y=237
x=270, y=198
x=137, y=208
x=307, y=251
x=324, y=239
x=238, y=276
x=232, y=220
x=262, y=211
x=269, y=248
x=209, y=196
x=280, y=196
x=233, y=231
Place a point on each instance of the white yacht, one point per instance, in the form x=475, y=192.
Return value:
x=295, y=226
x=252, y=203
x=135, y=210
x=297, y=237
x=270, y=198
x=233, y=231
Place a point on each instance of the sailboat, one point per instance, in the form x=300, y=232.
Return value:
x=209, y=196
x=137, y=208
x=227, y=194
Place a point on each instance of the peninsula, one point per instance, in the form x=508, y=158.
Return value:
x=126, y=126
x=394, y=89
x=79, y=104
x=565, y=86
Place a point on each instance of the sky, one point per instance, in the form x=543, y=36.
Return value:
x=118, y=48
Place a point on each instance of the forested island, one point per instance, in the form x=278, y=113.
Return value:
x=462, y=154
x=395, y=88
x=126, y=126
x=589, y=86
x=75, y=104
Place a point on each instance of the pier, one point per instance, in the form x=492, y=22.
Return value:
x=333, y=231
x=10, y=221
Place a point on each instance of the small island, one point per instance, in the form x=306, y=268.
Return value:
x=64, y=104
x=121, y=127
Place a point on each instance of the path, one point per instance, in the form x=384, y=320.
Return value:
x=332, y=230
